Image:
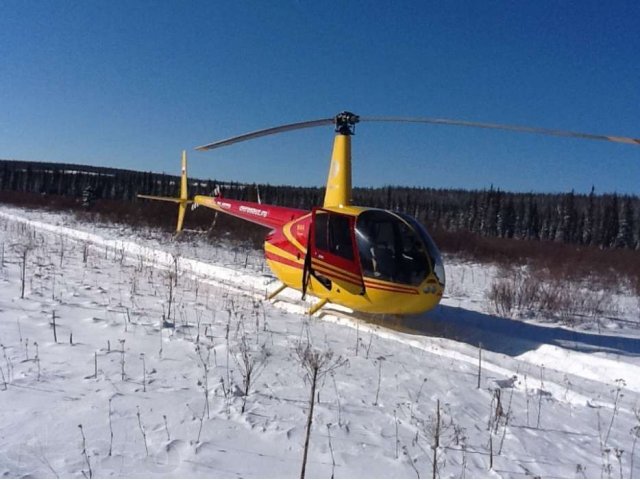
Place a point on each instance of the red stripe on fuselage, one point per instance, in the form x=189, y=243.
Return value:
x=332, y=274
x=375, y=286
x=384, y=286
x=284, y=261
x=389, y=288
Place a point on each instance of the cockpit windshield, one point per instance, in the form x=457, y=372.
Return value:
x=391, y=249
x=434, y=253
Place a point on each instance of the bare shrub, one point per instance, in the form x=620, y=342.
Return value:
x=502, y=297
x=442, y=433
x=316, y=364
x=571, y=262
x=516, y=291
x=251, y=365
x=521, y=292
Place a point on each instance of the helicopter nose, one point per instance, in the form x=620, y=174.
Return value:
x=431, y=287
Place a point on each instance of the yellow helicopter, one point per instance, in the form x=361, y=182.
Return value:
x=368, y=259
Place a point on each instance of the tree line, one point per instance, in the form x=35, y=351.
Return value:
x=602, y=220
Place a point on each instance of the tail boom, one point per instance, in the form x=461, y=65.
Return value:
x=270, y=216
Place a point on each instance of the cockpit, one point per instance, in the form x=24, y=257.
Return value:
x=394, y=247
x=376, y=244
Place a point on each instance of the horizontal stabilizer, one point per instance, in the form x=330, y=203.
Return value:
x=165, y=199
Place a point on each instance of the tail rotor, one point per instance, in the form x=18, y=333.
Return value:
x=182, y=200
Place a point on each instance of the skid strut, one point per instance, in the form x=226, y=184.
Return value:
x=317, y=306
x=276, y=291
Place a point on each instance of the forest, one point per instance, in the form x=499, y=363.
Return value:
x=606, y=221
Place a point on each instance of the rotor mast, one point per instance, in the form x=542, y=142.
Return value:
x=338, y=191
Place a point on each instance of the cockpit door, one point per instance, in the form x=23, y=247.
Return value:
x=333, y=251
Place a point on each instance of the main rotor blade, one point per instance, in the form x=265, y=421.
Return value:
x=497, y=126
x=267, y=131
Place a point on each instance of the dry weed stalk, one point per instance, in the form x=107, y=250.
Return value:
x=205, y=363
x=635, y=433
x=85, y=455
x=122, y=363
x=379, y=360
x=4, y=379
x=110, y=429
x=144, y=434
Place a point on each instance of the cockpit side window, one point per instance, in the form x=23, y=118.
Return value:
x=333, y=234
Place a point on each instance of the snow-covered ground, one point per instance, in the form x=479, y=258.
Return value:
x=153, y=338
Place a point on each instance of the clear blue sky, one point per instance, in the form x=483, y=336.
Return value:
x=130, y=84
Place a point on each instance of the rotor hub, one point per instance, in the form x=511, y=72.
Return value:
x=346, y=123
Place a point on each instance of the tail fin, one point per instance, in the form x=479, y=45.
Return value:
x=182, y=206
x=182, y=200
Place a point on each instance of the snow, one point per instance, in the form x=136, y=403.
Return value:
x=569, y=393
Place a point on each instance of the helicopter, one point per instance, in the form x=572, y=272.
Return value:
x=370, y=260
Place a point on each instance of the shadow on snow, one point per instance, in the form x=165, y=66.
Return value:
x=503, y=335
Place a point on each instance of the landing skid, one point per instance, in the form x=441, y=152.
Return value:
x=314, y=308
